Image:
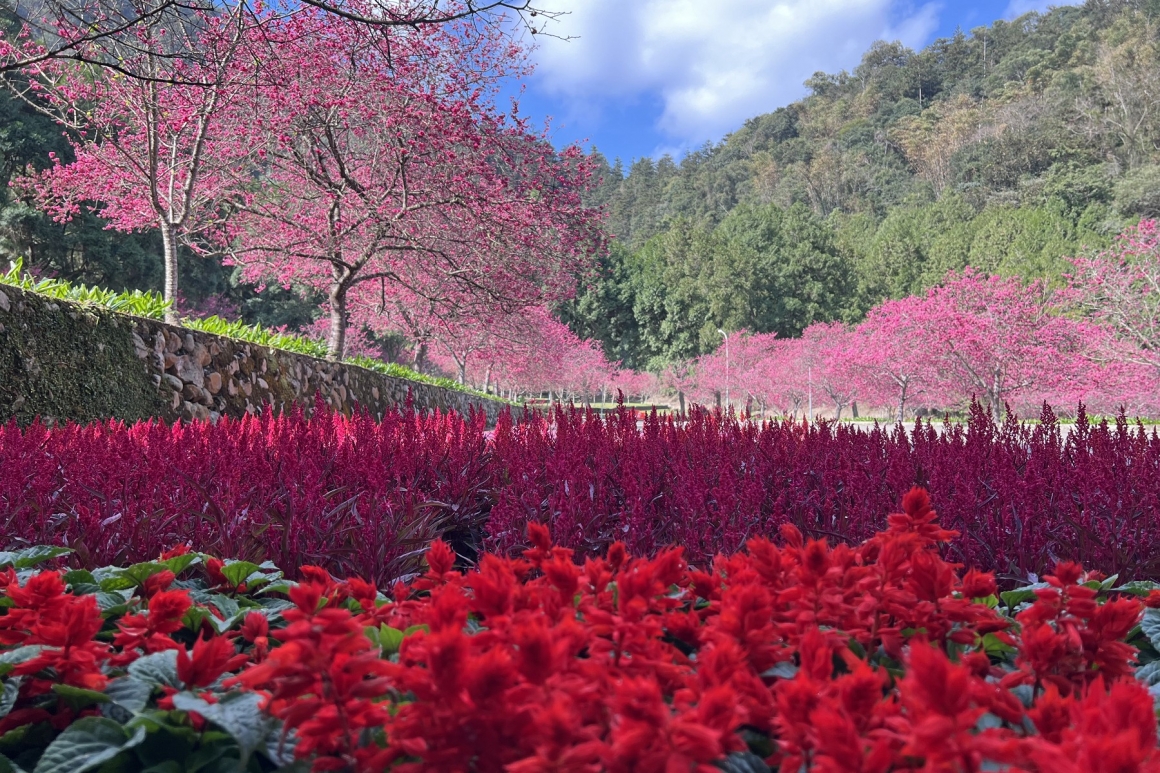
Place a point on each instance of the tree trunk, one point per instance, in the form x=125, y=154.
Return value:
x=169, y=257
x=854, y=409
x=421, y=357
x=681, y=397
x=462, y=370
x=487, y=381
x=996, y=397
x=838, y=411
x=336, y=342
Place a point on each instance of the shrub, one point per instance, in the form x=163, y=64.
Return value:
x=361, y=497
x=799, y=657
x=1023, y=497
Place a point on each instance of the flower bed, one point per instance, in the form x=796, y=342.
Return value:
x=799, y=657
x=364, y=498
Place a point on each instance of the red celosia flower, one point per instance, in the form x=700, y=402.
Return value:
x=150, y=632
x=977, y=585
x=175, y=551
x=156, y=583
x=209, y=659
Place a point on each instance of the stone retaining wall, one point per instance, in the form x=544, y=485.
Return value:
x=63, y=361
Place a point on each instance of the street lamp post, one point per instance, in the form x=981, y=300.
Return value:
x=726, y=337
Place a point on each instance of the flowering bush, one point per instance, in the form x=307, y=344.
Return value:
x=1023, y=497
x=356, y=495
x=874, y=657
x=360, y=497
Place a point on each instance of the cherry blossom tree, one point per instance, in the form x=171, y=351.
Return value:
x=535, y=360
x=999, y=339
x=892, y=363
x=788, y=373
x=679, y=377
x=149, y=151
x=762, y=367
x=831, y=350
x=111, y=34
x=1120, y=289
x=388, y=175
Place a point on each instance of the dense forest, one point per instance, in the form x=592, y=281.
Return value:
x=1008, y=148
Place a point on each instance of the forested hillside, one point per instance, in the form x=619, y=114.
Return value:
x=1008, y=148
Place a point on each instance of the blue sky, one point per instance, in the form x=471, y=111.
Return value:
x=646, y=77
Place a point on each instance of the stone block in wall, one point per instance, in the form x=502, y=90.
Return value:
x=63, y=361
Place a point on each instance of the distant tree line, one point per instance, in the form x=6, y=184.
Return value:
x=1009, y=149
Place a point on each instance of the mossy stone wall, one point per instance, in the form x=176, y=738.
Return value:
x=69, y=362
x=64, y=361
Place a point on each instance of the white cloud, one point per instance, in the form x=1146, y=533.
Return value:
x=713, y=63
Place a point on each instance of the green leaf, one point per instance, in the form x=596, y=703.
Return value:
x=129, y=693
x=237, y=572
x=78, y=698
x=993, y=645
x=8, y=695
x=274, y=607
x=1013, y=598
x=118, y=583
x=10, y=658
x=743, y=762
x=1150, y=625
x=179, y=564
x=270, y=570
x=86, y=744
x=30, y=557
x=279, y=586
x=169, y=766
x=8, y=766
x=20, y=654
x=224, y=604
x=35, y=735
x=113, y=602
x=416, y=629
x=1138, y=587
x=782, y=670
x=390, y=639
x=239, y=714
x=158, y=669
x=79, y=577
x=280, y=749
x=139, y=573
x=1149, y=673
x=221, y=626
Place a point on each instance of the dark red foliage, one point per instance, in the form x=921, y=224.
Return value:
x=361, y=497
x=356, y=495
